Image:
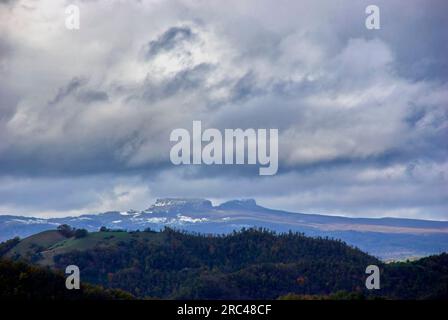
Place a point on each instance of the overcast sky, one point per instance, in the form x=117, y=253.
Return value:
x=85, y=116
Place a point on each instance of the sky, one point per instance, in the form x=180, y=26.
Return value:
x=86, y=115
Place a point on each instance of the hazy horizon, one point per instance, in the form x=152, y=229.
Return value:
x=215, y=203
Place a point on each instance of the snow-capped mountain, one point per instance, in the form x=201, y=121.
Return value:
x=385, y=237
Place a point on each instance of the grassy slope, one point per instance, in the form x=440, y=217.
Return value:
x=31, y=245
x=51, y=243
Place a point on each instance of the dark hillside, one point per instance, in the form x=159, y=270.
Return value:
x=249, y=264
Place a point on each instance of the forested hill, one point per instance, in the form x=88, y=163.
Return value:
x=21, y=281
x=250, y=264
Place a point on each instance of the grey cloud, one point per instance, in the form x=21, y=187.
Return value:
x=245, y=87
x=6, y=48
x=72, y=195
x=89, y=96
x=354, y=107
x=67, y=90
x=8, y=2
x=77, y=87
x=168, y=40
x=184, y=80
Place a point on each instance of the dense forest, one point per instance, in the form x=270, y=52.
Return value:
x=248, y=264
x=19, y=280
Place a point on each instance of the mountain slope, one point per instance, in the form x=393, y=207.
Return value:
x=387, y=238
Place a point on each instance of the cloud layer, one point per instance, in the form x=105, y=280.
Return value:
x=85, y=116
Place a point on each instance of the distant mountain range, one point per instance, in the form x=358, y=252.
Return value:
x=386, y=238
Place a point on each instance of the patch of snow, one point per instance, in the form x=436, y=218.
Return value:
x=80, y=218
x=156, y=220
x=130, y=213
x=35, y=221
x=183, y=218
